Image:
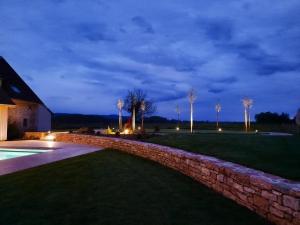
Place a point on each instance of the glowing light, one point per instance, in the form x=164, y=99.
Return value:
x=139, y=128
x=51, y=144
x=256, y=131
x=220, y=129
x=50, y=137
x=177, y=128
x=126, y=131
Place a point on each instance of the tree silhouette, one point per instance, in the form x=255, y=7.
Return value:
x=138, y=104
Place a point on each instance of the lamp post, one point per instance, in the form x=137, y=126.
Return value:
x=192, y=98
x=143, y=108
x=218, y=110
x=247, y=103
x=120, y=106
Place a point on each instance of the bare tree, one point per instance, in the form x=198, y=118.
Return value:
x=133, y=102
x=247, y=103
x=218, y=110
x=192, y=99
x=120, y=106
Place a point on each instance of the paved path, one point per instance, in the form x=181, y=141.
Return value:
x=60, y=151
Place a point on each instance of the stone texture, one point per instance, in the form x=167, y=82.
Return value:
x=291, y=202
x=23, y=110
x=273, y=197
x=276, y=212
x=261, y=202
x=269, y=195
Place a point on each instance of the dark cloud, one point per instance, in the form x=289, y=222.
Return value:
x=143, y=24
x=226, y=80
x=80, y=49
x=173, y=96
x=94, y=32
x=269, y=68
x=216, y=29
x=180, y=61
x=263, y=63
x=216, y=90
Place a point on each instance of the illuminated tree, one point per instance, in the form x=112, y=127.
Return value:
x=143, y=108
x=247, y=103
x=218, y=110
x=178, y=114
x=192, y=98
x=134, y=112
x=120, y=106
x=133, y=102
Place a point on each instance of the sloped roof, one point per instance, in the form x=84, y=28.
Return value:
x=13, y=85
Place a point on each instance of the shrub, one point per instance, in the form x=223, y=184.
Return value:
x=13, y=132
x=85, y=130
x=272, y=118
x=156, y=129
x=298, y=118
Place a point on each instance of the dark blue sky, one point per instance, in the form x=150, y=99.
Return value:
x=81, y=56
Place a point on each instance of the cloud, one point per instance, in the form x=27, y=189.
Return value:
x=143, y=24
x=216, y=90
x=226, y=50
x=94, y=32
x=216, y=29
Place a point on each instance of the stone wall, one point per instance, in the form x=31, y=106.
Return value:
x=35, y=135
x=272, y=197
x=23, y=110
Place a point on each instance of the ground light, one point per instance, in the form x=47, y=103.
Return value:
x=220, y=130
x=126, y=131
x=49, y=136
x=177, y=128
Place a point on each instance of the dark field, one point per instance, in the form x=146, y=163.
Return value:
x=110, y=187
x=275, y=155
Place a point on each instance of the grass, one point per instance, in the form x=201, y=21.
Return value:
x=275, y=155
x=109, y=187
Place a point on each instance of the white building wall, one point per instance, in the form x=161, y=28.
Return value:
x=43, y=117
x=3, y=122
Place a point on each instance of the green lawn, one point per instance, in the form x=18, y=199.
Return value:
x=110, y=187
x=276, y=155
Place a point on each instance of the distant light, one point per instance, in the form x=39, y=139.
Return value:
x=126, y=131
x=177, y=128
x=256, y=131
x=220, y=129
x=139, y=128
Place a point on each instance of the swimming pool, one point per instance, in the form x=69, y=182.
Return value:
x=9, y=153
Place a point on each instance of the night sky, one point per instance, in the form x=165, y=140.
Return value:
x=81, y=56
